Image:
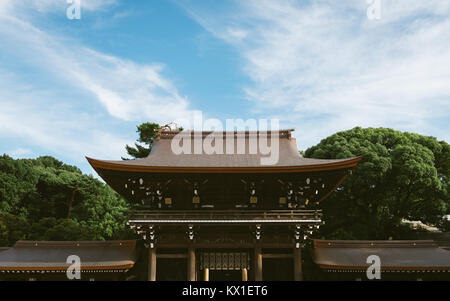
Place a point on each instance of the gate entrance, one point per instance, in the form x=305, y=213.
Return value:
x=224, y=266
x=216, y=275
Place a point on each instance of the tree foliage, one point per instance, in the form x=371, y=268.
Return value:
x=12, y=228
x=402, y=176
x=148, y=132
x=45, y=199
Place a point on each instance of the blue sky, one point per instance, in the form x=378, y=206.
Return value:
x=71, y=88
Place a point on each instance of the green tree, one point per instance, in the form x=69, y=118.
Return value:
x=148, y=132
x=57, y=198
x=50, y=228
x=12, y=228
x=402, y=176
x=105, y=213
x=17, y=180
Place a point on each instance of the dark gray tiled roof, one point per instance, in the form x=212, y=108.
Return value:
x=41, y=255
x=162, y=155
x=407, y=254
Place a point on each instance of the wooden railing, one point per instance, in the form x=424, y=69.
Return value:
x=225, y=214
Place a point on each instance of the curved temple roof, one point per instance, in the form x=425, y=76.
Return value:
x=236, y=154
x=52, y=255
x=415, y=255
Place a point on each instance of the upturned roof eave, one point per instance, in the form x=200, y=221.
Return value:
x=122, y=166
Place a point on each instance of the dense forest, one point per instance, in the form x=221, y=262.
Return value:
x=45, y=199
x=402, y=176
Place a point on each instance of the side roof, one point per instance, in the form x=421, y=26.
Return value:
x=395, y=255
x=245, y=155
x=52, y=255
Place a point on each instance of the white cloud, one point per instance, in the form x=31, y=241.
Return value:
x=323, y=66
x=21, y=152
x=29, y=116
x=44, y=6
x=43, y=117
x=127, y=90
x=236, y=33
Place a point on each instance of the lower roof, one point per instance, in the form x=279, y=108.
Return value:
x=395, y=255
x=52, y=255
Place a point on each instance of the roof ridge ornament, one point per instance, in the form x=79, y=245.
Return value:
x=166, y=128
x=167, y=132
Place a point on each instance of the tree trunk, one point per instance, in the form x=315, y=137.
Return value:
x=71, y=200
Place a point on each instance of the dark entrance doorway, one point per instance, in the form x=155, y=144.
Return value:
x=227, y=275
x=278, y=269
x=171, y=269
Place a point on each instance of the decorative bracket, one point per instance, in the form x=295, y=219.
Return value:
x=298, y=235
x=191, y=233
x=149, y=236
x=258, y=232
x=302, y=233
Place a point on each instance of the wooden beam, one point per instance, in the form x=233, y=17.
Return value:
x=298, y=270
x=199, y=245
x=100, y=165
x=258, y=263
x=244, y=274
x=151, y=264
x=171, y=256
x=277, y=255
x=191, y=264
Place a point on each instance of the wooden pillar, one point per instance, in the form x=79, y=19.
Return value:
x=206, y=274
x=298, y=271
x=151, y=264
x=244, y=274
x=258, y=263
x=191, y=264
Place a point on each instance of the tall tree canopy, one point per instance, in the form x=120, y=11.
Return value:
x=148, y=132
x=44, y=199
x=402, y=176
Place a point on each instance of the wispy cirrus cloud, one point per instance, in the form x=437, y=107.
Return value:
x=42, y=6
x=30, y=117
x=20, y=152
x=323, y=66
x=66, y=122
x=128, y=90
